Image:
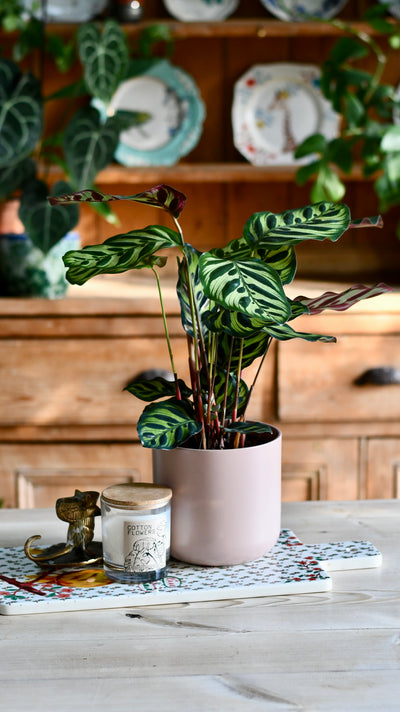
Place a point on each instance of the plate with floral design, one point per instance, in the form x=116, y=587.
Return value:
x=201, y=10
x=176, y=112
x=300, y=10
x=275, y=107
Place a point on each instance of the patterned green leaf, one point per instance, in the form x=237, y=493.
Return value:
x=284, y=332
x=281, y=258
x=44, y=224
x=151, y=389
x=89, y=145
x=161, y=196
x=21, y=113
x=104, y=57
x=192, y=266
x=248, y=286
x=254, y=347
x=219, y=391
x=320, y=221
x=131, y=250
x=233, y=323
x=167, y=424
x=340, y=301
x=248, y=427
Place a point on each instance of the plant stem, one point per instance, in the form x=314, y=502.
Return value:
x=171, y=356
x=237, y=389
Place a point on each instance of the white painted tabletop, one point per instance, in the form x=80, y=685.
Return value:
x=337, y=651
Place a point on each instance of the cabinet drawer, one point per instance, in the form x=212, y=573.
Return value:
x=317, y=380
x=78, y=381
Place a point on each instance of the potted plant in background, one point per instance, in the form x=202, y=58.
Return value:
x=226, y=505
x=35, y=236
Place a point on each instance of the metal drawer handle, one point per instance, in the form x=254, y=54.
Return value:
x=379, y=376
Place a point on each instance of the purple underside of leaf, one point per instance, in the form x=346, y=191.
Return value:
x=375, y=221
x=161, y=196
x=340, y=301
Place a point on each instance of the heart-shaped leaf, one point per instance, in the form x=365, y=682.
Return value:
x=44, y=224
x=21, y=114
x=89, y=145
x=104, y=57
x=15, y=176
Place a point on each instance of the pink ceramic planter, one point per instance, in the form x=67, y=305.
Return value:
x=226, y=504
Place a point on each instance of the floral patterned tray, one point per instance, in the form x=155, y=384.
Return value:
x=291, y=567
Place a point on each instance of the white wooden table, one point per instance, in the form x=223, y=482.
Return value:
x=336, y=651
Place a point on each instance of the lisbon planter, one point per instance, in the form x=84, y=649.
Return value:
x=226, y=504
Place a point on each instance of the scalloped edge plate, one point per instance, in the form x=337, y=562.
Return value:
x=294, y=11
x=173, y=100
x=275, y=107
x=201, y=10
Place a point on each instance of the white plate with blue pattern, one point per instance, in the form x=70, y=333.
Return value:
x=301, y=10
x=172, y=99
x=201, y=10
x=275, y=107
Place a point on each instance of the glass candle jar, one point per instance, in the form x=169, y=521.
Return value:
x=136, y=525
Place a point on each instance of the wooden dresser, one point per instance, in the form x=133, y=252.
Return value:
x=66, y=422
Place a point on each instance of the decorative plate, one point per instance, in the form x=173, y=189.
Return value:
x=71, y=11
x=393, y=7
x=275, y=107
x=295, y=10
x=201, y=10
x=176, y=110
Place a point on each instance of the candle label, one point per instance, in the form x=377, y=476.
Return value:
x=145, y=544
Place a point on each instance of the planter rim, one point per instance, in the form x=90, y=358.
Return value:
x=276, y=434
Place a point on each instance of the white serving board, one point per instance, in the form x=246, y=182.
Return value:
x=290, y=567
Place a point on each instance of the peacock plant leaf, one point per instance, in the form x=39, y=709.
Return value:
x=253, y=347
x=21, y=113
x=44, y=225
x=248, y=427
x=340, y=301
x=281, y=258
x=151, y=389
x=89, y=145
x=104, y=56
x=233, y=323
x=220, y=385
x=284, y=332
x=248, y=286
x=321, y=221
x=189, y=267
x=161, y=196
x=132, y=250
x=167, y=424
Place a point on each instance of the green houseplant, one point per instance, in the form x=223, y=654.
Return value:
x=84, y=145
x=226, y=498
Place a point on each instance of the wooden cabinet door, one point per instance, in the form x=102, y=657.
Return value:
x=383, y=468
x=319, y=469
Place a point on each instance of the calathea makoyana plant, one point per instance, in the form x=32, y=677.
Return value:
x=232, y=303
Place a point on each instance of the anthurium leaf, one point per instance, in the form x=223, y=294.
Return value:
x=119, y=253
x=161, y=196
x=189, y=269
x=313, y=144
x=321, y=221
x=284, y=332
x=21, y=113
x=154, y=388
x=167, y=424
x=248, y=427
x=89, y=145
x=104, y=56
x=391, y=140
x=44, y=225
x=340, y=301
x=248, y=286
x=16, y=176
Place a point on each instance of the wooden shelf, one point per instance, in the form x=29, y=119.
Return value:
x=201, y=173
